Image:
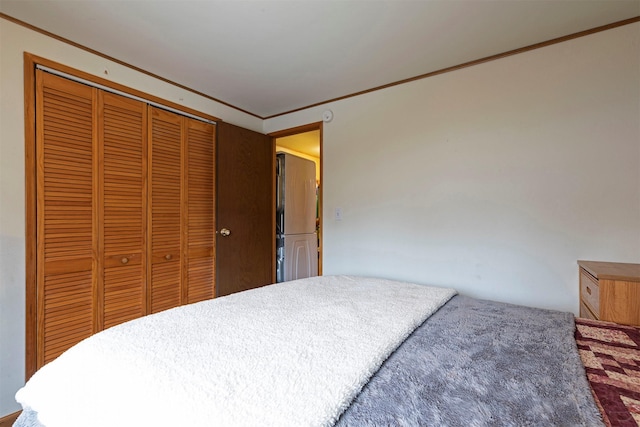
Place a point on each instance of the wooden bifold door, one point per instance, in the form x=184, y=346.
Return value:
x=125, y=211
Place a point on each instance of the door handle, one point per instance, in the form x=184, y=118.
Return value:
x=225, y=232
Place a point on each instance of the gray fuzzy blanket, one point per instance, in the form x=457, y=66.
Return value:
x=481, y=363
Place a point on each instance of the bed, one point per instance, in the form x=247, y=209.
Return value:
x=344, y=351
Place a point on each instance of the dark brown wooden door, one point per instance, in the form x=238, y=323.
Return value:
x=245, y=207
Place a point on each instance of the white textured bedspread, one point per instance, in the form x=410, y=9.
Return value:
x=290, y=354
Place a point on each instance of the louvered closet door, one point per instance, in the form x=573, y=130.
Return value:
x=165, y=203
x=67, y=214
x=124, y=214
x=200, y=210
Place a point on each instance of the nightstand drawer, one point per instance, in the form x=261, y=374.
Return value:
x=590, y=292
x=585, y=313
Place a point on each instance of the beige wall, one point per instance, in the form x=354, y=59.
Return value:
x=14, y=40
x=492, y=179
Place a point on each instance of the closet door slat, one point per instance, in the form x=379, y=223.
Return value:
x=124, y=213
x=200, y=259
x=66, y=202
x=165, y=203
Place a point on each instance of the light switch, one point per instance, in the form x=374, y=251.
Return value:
x=338, y=214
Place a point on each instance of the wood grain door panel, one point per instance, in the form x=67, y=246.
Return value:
x=245, y=206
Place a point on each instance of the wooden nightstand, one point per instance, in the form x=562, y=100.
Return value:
x=610, y=291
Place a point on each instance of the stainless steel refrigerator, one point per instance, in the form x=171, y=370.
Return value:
x=296, y=211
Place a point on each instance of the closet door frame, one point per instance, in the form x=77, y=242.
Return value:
x=31, y=62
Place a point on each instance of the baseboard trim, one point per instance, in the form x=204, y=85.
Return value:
x=8, y=420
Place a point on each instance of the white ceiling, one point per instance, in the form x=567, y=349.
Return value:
x=268, y=57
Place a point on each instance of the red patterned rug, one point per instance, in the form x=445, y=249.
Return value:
x=611, y=356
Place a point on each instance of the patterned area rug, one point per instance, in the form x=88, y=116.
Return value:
x=611, y=356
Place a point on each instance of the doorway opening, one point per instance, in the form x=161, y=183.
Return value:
x=306, y=142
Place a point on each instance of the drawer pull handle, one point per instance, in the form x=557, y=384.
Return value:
x=124, y=260
x=168, y=257
x=589, y=290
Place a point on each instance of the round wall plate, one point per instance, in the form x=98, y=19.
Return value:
x=327, y=116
